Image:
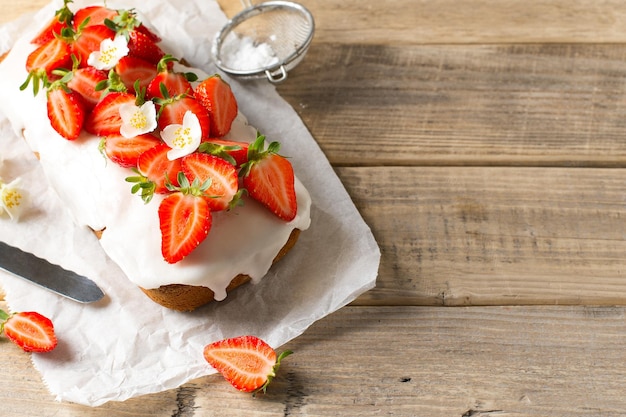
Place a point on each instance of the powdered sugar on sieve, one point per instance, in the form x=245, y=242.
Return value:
x=244, y=54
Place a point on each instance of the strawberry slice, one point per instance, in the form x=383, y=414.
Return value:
x=85, y=81
x=88, y=40
x=224, y=182
x=168, y=83
x=125, y=152
x=185, y=220
x=172, y=111
x=155, y=166
x=50, y=31
x=216, y=95
x=105, y=117
x=30, y=330
x=96, y=14
x=61, y=20
x=247, y=362
x=269, y=179
x=52, y=55
x=66, y=112
x=142, y=46
x=132, y=69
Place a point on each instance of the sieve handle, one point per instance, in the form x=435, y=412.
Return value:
x=277, y=77
x=246, y=3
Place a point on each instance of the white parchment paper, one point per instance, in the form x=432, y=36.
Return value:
x=125, y=345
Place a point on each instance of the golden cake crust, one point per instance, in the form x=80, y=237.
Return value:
x=189, y=297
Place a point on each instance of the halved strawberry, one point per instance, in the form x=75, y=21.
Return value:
x=173, y=110
x=142, y=46
x=185, y=220
x=247, y=362
x=269, y=179
x=168, y=83
x=30, y=330
x=216, y=95
x=40, y=63
x=234, y=152
x=125, y=152
x=61, y=20
x=105, y=117
x=96, y=14
x=132, y=70
x=88, y=40
x=52, y=55
x=66, y=111
x=155, y=165
x=84, y=81
x=224, y=182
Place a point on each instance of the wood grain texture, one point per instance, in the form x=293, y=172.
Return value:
x=463, y=22
x=403, y=361
x=497, y=236
x=443, y=21
x=483, y=142
x=513, y=105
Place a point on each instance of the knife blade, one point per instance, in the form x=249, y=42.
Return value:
x=47, y=275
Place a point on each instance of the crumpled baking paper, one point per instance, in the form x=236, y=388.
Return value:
x=125, y=345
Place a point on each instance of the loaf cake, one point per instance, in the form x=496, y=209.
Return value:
x=185, y=235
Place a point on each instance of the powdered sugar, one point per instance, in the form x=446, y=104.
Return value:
x=244, y=54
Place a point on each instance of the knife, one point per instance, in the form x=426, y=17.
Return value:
x=52, y=277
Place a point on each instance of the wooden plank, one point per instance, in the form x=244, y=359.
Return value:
x=443, y=21
x=531, y=105
x=462, y=22
x=477, y=361
x=494, y=236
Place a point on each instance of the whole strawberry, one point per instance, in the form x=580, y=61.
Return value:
x=29, y=330
x=247, y=362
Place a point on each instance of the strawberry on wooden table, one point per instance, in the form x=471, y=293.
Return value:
x=30, y=330
x=216, y=95
x=247, y=362
x=269, y=178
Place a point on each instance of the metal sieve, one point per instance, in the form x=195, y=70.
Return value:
x=264, y=40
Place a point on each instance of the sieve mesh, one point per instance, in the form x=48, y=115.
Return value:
x=264, y=40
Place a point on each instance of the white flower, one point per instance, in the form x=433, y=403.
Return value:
x=13, y=200
x=137, y=120
x=183, y=139
x=111, y=51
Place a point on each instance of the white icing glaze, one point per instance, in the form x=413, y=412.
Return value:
x=244, y=240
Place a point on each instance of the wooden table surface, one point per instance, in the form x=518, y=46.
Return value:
x=484, y=142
